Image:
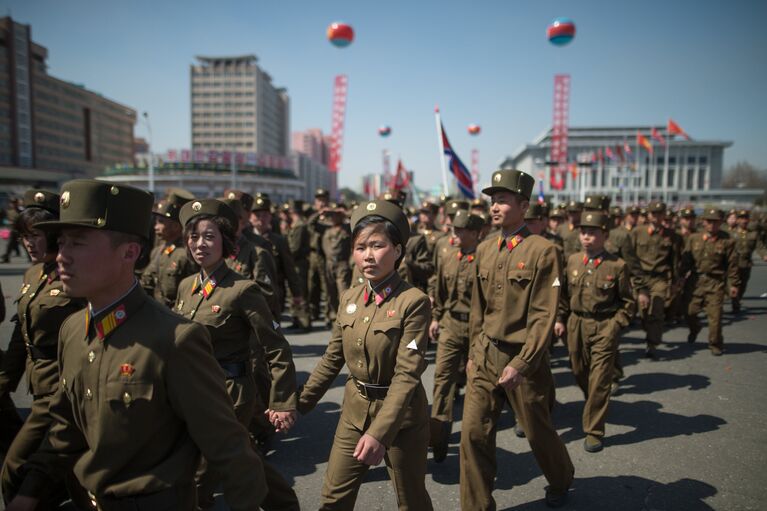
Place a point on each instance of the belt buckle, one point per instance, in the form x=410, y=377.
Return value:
x=362, y=390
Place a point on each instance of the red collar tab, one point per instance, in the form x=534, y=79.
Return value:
x=511, y=243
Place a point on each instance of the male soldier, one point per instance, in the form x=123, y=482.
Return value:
x=745, y=244
x=427, y=215
x=261, y=218
x=478, y=206
x=141, y=395
x=513, y=306
x=569, y=231
x=317, y=288
x=556, y=218
x=168, y=264
x=642, y=218
x=619, y=241
x=450, y=324
x=686, y=222
x=298, y=240
x=535, y=218
x=600, y=303
x=710, y=257
x=337, y=248
x=653, y=261
x=616, y=217
x=732, y=222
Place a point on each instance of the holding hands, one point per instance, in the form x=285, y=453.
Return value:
x=282, y=421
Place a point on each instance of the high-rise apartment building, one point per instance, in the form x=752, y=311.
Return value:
x=313, y=144
x=235, y=107
x=52, y=125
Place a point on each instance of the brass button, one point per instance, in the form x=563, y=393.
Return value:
x=359, y=342
x=365, y=319
x=127, y=399
x=63, y=382
x=91, y=357
x=498, y=286
x=500, y=266
x=359, y=363
x=88, y=394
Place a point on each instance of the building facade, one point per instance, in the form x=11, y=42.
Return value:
x=608, y=160
x=236, y=107
x=313, y=143
x=52, y=130
x=314, y=174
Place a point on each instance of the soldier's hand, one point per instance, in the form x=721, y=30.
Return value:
x=282, y=421
x=644, y=300
x=559, y=329
x=369, y=451
x=434, y=330
x=22, y=503
x=469, y=368
x=510, y=378
x=733, y=292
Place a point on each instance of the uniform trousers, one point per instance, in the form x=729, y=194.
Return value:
x=654, y=315
x=452, y=350
x=338, y=276
x=592, y=346
x=317, y=288
x=484, y=401
x=405, y=461
x=745, y=274
x=708, y=296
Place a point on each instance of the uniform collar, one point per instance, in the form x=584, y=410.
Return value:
x=468, y=255
x=208, y=285
x=50, y=271
x=596, y=260
x=383, y=290
x=170, y=247
x=108, y=319
x=709, y=237
x=511, y=241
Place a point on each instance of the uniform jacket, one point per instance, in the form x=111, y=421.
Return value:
x=168, y=266
x=712, y=256
x=745, y=244
x=654, y=253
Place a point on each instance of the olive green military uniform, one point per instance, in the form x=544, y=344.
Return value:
x=134, y=378
x=381, y=336
x=417, y=267
x=298, y=242
x=42, y=308
x=317, y=285
x=286, y=272
x=446, y=243
x=452, y=302
x=709, y=260
x=601, y=304
x=569, y=232
x=432, y=236
x=513, y=307
x=255, y=263
x=745, y=245
x=337, y=248
x=653, y=262
x=619, y=241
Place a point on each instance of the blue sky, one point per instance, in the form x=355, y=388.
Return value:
x=485, y=62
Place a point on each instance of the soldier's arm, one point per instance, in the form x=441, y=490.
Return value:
x=197, y=394
x=421, y=265
x=628, y=305
x=478, y=302
x=407, y=372
x=14, y=361
x=544, y=299
x=440, y=293
x=265, y=277
x=731, y=260
x=148, y=279
x=279, y=356
x=638, y=277
x=686, y=261
x=563, y=307
x=289, y=269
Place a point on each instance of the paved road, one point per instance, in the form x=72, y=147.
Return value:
x=684, y=433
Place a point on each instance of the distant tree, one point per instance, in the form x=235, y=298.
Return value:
x=744, y=175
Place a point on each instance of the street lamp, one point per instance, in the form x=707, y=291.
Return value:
x=151, y=156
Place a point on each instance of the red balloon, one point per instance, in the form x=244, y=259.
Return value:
x=474, y=129
x=340, y=34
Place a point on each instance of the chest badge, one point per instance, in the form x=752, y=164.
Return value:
x=215, y=308
x=610, y=278
x=351, y=308
x=25, y=288
x=127, y=370
x=390, y=313
x=575, y=273
x=180, y=304
x=521, y=265
x=55, y=292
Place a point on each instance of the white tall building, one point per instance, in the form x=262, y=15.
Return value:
x=236, y=107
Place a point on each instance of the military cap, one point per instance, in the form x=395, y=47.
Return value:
x=514, y=181
x=616, y=212
x=393, y=197
x=212, y=207
x=731, y=212
x=557, y=213
x=262, y=202
x=534, y=211
x=428, y=207
x=452, y=207
x=643, y=211
x=321, y=193
x=466, y=220
x=42, y=199
x=687, y=213
x=336, y=207
x=235, y=205
x=597, y=202
x=574, y=206
x=171, y=205
x=562, y=206
x=443, y=198
x=656, y=207
x=712, y=214
x=384, y=209
x=245, y=198
x=743, y=213
x=103, y=205
x=593, y=218
x=633, y=210
x=296, y=205
x=479, y=203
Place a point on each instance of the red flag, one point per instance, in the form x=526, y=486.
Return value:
x=675, y=129
x=401, y=177
x=657, y=136
x=627, y=148
x=609, y=153
x=619, y=152
x=642, y=141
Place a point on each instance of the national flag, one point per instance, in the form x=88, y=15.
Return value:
x=456, y=166
x=541, y=198
x=657, y=136
x=674, y=129
x=401, y=177
x=619, y=152
x=642, y=141
x=609, y=154
x=627, y=148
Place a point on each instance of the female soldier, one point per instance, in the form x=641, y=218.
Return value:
x=42, y=307
x=232, y=308
x=381, y=334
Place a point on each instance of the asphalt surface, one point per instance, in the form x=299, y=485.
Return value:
x=684, y=433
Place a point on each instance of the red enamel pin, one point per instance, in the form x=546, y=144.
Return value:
x=127, y=370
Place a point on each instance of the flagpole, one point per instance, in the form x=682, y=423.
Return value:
x=665, y=170
x=441, y=150
x=640, y=176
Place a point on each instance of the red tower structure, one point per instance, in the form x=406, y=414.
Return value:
x=337, y=131
x=475, y=170
x=558, y=157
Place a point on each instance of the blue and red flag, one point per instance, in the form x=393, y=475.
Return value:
x=456, y=166
x=541, y=197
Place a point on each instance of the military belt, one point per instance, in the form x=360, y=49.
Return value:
x=163, y=499
x=460, y=316
x=599, y=316
x=370, y=391
x=234, y=369
x=41, y=352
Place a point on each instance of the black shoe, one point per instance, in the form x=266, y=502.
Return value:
x=519, y=431
x=555, y=498
x=650, y=354
x=693, y=335
x=592, y=444
x=716, y=351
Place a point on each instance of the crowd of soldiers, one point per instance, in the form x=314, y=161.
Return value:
x=505, y=280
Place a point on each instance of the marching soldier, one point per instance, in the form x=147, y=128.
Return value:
x=450, y=324
x=556, y=218
x=337, y=249
x=569, y=231
x=446, y=243
x=299, y=243
x=317, y=287
x=381, y=335
x=654, y=260
x=427, y=215
x=709, y=257
x=745, y=244
x=516, y=292
x=686, y=222
x=168, y=264
x=601, y=304
x=619, y=241
x=140, y=393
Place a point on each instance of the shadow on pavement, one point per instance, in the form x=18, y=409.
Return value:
x=648, y=383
